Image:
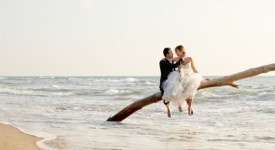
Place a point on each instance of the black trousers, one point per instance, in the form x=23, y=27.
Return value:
x=162, y=92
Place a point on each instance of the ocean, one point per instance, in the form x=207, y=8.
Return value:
x=70, y=113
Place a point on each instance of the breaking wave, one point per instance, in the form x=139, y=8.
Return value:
x=128, y=80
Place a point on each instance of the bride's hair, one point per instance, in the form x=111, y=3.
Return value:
x=180, y=48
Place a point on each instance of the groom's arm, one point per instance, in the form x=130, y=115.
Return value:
x=163, y=64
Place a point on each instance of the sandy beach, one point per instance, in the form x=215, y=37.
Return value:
x=13, y=139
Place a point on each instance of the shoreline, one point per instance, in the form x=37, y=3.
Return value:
x=12, y=138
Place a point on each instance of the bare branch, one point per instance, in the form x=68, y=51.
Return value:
x=223, y=81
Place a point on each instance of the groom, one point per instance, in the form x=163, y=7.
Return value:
x=166, y=67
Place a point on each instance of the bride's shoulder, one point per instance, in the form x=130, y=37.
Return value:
x=187, y=59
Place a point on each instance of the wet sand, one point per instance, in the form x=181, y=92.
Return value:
x=13, y=139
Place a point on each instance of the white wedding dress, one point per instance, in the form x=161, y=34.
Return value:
x=181, y=84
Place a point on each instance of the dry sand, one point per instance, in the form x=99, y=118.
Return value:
x=13, y=139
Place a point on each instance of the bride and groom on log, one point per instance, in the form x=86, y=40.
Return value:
x=179, y=79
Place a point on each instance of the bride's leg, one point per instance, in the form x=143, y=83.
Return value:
x=181, y=105
x=180, y=108
x=189, y=102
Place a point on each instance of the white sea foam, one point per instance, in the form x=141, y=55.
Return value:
x=149, y=83
x=30, y=92
x=45, y=138
x=209, y=94
x=15, y=91
x=130, y=80
x=63, y=94
x=127, y=80
x=55, y=86
x=114, y=92
x=2, y=78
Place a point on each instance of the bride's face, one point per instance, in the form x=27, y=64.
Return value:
x=180, y=53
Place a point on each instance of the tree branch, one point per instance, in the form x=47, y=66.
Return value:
x=223, y=81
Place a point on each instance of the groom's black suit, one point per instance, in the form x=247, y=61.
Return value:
x=166, y=68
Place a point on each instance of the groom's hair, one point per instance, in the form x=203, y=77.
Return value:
x=166, y=51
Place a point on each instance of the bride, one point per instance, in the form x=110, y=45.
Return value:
x=182, y=84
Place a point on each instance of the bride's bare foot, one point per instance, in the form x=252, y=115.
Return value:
x=180, y=108
x=190, y=110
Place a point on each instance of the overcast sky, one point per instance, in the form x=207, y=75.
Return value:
x=126, y=37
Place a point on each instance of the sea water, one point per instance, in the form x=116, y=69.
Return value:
x=70, y=113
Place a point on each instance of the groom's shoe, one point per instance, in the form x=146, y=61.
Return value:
x=165, y=103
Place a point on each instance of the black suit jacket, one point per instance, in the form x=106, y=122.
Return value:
x=166, y=68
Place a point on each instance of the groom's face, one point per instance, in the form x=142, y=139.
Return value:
x=170, y=54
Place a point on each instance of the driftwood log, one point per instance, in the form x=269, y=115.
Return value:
x=222, y=81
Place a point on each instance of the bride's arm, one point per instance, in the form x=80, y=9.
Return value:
x=193, y=66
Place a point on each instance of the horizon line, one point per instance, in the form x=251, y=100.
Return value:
x=104, y=75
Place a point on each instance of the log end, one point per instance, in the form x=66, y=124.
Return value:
x=234, y=85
